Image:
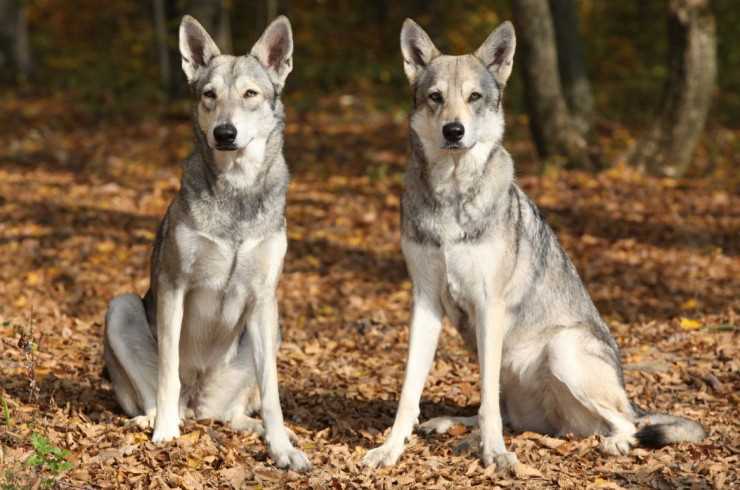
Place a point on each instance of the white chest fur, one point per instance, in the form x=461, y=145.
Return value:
x=224, y=279
x=464, y=275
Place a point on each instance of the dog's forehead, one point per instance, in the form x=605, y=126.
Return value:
x=250, y=67
x=230, y=70
x=456, y=71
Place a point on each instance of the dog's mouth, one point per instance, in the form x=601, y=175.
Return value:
x=227, y=147
x=455, y=146
x=233, y=146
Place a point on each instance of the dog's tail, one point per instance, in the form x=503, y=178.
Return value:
x=657, y=430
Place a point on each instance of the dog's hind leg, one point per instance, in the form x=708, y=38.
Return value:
x=230, y=393
x=130, y=354
x=585, y=393
x=122, y=388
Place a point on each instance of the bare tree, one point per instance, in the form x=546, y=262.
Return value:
x=163, y=51
x=272, y=9
x=668, y=146
x=557, y=136
x=572, y=63
x=214, y=16
x=15, y=47
x=265, y=11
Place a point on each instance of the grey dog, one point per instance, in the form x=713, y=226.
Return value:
x=479, y=252
x=203, y=341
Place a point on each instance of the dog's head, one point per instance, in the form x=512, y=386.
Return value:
x=457, y=99
x=236, y=96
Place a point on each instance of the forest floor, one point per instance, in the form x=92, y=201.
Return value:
x=79, y=204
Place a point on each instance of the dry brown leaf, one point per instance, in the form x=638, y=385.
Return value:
x=525, y=471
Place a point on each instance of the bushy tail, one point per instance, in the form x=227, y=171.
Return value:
x=657, y=430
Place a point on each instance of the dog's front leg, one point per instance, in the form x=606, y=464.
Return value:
x=491, y=325
x=426, y=325
x=169, y=324
x=262, y=329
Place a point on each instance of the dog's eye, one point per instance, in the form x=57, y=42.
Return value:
x=249, y=93
x=436, y=97
x=474, y=96
x=210, y=94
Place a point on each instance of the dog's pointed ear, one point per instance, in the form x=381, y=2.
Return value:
x=497, y=52
x=417, y=49
x=274, y=49
x=196, y=47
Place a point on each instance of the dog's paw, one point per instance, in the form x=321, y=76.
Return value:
x=290, y=458
x=437, y=425
x=617, y=445
x=243, y=423
x=505, y=461
x=385, y=455
x=441, y=425
x=165, y=431
x=143, y=421
x=251, y=425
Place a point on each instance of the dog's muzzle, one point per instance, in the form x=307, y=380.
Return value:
x=225, y=136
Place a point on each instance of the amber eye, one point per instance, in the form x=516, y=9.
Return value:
x=210, y=94
x=436, y=97
x=249, y=93
x=474, y=96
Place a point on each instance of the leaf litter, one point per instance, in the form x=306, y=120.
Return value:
x=80, y=201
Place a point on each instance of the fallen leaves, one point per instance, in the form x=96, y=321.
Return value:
x=660, y=259
x=689, y=324
x=524, y=472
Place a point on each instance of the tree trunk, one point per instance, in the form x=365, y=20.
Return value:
x=16, y=61
x=556, y=136
x=173, y=15
x=571, y=62
x=272, y=10
x=668, y=147
x=163, y=51
x=223, y=32
x=265, y=12
x=214, y=16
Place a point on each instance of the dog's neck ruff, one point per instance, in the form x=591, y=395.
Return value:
x=239, y=197
x=440, y=207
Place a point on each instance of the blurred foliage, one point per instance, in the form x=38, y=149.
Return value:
x=107, y=56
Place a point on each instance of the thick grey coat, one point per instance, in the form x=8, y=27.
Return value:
x=203, y=341
x=479, y=252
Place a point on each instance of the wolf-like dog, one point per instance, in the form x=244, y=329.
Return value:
x=479, y=252
x=203, y=341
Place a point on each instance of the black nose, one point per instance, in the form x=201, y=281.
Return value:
x=453, y=132
x=225, y=134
